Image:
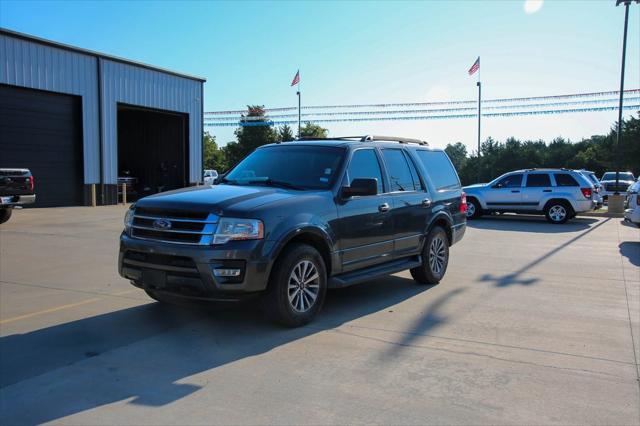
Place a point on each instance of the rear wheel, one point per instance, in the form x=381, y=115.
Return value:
x=474, y=210
x=297, y=286
x=435, y=258
x=5, y=214
x=558, y=212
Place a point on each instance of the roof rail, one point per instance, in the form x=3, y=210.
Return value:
x=372, y=138
x=367, y=138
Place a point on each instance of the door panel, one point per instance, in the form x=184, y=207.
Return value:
x=537, y=187
x=410, y=217
x=366, y=233
x=366, y=224
x=506, y=194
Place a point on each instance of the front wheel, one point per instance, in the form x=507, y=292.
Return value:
x=5, y=214
x=474, y=210
x=297, y=286
x=435, y=258
x=558, y=212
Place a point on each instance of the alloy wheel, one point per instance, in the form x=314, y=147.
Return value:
x=471, y=209
x=303, y=286
x=557, y=213
x=437, y=255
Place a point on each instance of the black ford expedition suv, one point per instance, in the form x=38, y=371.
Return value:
x=293, y=219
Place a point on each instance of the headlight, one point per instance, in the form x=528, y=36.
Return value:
x=128, y=219
x=238, y=229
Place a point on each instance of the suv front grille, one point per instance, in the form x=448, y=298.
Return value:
x=174, y=226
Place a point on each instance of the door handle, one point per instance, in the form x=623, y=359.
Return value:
x=426, y=202
x=515, y=190
x=383, y=208
x=546, y=190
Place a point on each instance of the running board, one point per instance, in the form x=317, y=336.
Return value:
x=373, y=272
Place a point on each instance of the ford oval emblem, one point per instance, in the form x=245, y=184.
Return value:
x=162, y=224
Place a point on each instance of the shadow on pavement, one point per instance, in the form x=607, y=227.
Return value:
x=515, y=278
x=529, y=223
x=631, y=250
x=110, y=365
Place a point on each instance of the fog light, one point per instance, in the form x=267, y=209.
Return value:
x=224, y=272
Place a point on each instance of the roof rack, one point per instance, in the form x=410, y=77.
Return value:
x=372, y=138
x=368, y=138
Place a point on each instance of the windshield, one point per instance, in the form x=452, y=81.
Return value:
x=303, y=167
x=612, y=176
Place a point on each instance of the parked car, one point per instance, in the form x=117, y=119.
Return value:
x=559, y=194
x=293, y=219
x=632, y=210
x=210, y=177
x=16, y=190
x=597, y=196
x=608, y=182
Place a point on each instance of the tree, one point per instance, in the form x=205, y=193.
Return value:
x=214, y=157
x=255, y=130
x=597, y=153
x=285, y=134
x=310, y=130
x=457, y=153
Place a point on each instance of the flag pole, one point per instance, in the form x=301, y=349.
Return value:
x=299, y=106
x=479, y=84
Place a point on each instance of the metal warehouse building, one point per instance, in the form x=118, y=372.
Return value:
x=77, y=118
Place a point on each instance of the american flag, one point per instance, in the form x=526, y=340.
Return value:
x=475, y=67
x=296, y=79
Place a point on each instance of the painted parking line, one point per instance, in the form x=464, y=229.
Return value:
x=62, y=307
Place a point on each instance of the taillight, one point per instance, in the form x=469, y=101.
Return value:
x=463, y=203
x=31, y=183
x=638, y=199
x=586, y=192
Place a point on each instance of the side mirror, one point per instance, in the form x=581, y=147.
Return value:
x=361, y=187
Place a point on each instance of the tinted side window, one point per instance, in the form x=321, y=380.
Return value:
x=399, y=172
x=365, y=164
x=439, y=169
x=564, y=179
x=538, y=180
x=512, y=181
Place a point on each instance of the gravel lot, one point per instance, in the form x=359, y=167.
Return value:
x=534, y=323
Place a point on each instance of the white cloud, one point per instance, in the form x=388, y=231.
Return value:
x=532, y=6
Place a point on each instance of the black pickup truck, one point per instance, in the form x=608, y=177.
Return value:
x=16, y=189
x=294, y=219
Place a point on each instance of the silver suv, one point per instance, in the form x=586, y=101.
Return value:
x=559, y=194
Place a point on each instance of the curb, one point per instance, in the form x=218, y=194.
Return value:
x=602, y=214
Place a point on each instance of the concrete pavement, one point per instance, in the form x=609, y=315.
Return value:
x=534, y=323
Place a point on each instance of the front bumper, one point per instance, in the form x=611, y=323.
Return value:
x=17, y=200
x=187, y=271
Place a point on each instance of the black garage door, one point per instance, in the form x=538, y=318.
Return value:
x=42, y=131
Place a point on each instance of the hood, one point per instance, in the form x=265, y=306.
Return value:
x=475, y=185
x=218, y=198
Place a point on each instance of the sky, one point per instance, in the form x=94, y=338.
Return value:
x=366, y=52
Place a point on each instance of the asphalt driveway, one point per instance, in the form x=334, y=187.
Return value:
x=534, y=323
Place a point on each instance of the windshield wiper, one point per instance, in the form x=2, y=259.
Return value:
x=271, y=182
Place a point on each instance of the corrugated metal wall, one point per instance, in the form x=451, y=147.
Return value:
x=36, y=66
x=128, y=84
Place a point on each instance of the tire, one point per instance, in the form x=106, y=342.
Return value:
x=558, y=212
x=474, y=210
x=5, y=214
x=433, y=266
x=292, y=287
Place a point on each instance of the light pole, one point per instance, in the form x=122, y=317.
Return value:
x=626, y=4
